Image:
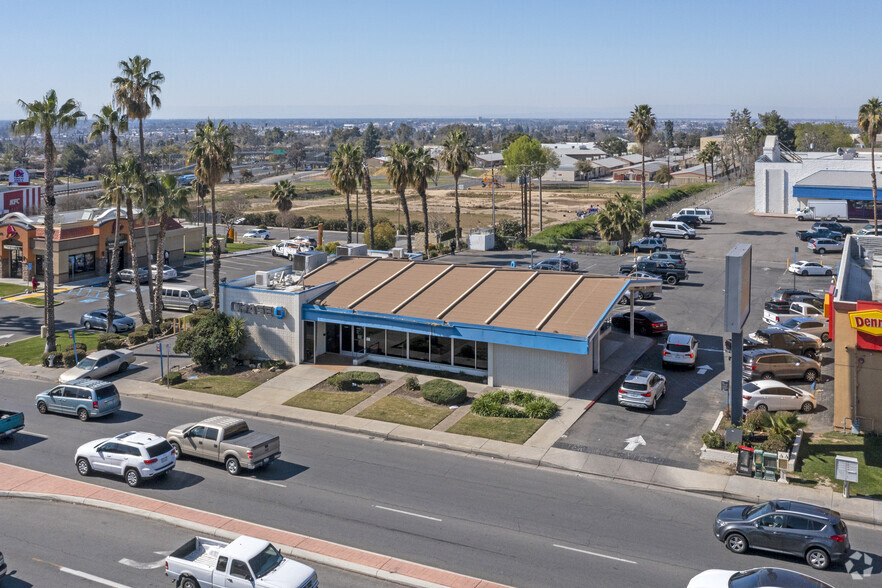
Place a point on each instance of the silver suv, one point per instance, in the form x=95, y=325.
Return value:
x=813, y=532
x=777, y=364
x=642, y=389
x=132, y=455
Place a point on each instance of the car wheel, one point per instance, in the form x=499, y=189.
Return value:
x=623, y=300
x=88, y=325
x=232, y=465
x=821, y=251
x=817, y=558
x=177, y=449
x=829, y=273
x=806, y=407
x=114, y=329
x=804, y=273
x=658, y=235
x=274, y=253
x=825, y=337
x=41, y=406
x=189, y=583
x=133, y=478
x=83, y=414
x=768, y=376
x=671, y=280
x=811, y=375
x=123, y=367
x=736, y=543
x=649, y=295
x=643, y=331
x=192, y=308
x=83, y=466
x=654, y=404
x=762, y=408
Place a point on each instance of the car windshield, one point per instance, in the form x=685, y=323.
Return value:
x=760, y=509
x=197, y=293
x=772, y=577
x=265, y=561
x=87, y=364
x=678, y=347
x=159, y=449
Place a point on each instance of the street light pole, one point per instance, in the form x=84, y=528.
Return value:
x=493, y=191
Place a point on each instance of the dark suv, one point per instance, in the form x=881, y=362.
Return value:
x=833, y=226
x=670, y=274
x=815, y=533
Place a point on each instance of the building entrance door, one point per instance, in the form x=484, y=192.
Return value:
x=308, y=342
x=15, y=260
x=332, y=338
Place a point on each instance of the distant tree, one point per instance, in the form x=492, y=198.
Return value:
x=713, y=151
x=384, y=235
x=742, y=140
x=521, y=157
x=870, y=124
x=370, y=142
x=704, y=159
x=619, y=218
x=283, y=194
x=273, y=136
x=822, y=137
x=669, y=133
x=642, y=124
x=663, y=175
x=510, y=138
x=613, y=145
x=246, y=175
x=422, y=168
x=773, y=124
x=404, y=134
x=169, y=200
x=583, y=168
x=548, y=160
x=73, y=159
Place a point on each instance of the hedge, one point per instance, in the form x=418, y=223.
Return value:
x=499, y=404
x=411, y=383
x=554, y=237
x=70, y=358
x=345, y=380
x=110, y=341
x=444, y=392
x=670, y=195
x=173, y=378
x=141, y=334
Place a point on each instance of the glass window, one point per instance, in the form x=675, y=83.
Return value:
x=803, y=524
x=106, y=392
x=359, y=340
x=239, y=570
x=211, y=434
x=440, y=350
x=375, y=341
x=196, y=432
x=160, y=448
x=481, y=355
x=464, y=353
x=222, y=563
x=347, y=337
x=773, y=520
x=396, y=344
x=89, y=262
x=419, y=347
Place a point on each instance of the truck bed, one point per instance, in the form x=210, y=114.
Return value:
x=10, y=422
x=202, y=552
x=250, y=439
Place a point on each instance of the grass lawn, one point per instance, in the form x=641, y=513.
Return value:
x=30, y=351
x=394, y=409
x=335, y=402
x=10, y=289
x=219, y=385
x=38, y=301
x=819, y=454
x=235, y=247
x=501, y=429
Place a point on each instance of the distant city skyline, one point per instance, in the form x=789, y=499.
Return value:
x=399, y=59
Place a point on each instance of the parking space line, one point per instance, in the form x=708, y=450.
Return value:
x=40, y=435
x=595, y=554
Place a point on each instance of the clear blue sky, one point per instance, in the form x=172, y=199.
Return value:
x=342, y=58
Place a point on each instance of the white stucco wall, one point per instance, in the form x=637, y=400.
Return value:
x=547, y=371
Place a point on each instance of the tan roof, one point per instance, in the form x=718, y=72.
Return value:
x=514, y=298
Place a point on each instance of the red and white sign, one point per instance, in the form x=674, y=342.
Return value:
x=867, y=321
x=19, y=177
x=25, y=200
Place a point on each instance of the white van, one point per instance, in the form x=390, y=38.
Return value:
x=659, y=229
x=705, y=214
x=187, y=298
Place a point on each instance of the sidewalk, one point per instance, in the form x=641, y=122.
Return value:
x=18, y=482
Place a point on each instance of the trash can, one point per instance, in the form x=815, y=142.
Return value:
x=744, y=467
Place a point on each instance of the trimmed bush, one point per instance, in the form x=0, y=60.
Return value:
x=173, y=378
x=444, y=392
x=110, y=341
x=331, y=248
x=70, y=358
x=49, y=354
x=345, y=380
x=775, y=443
x=193, y=319
x=540, y=408
x=713, y=440
x=499, y=404
x=411, y=383
x=755, y=420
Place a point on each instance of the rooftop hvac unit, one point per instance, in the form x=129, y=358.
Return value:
x=261, y=279
x=309, y=260
x=397, y=253
x=352, y=249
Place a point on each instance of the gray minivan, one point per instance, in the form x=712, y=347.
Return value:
x=184, y=298
x=659, y=229
x=84, y=398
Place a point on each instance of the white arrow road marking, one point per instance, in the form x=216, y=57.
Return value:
x=595, y=554
x=633, y=442
x=703, y=369
x=5, y=336
x=83, y=575
x=146, y=565
x=404, y=512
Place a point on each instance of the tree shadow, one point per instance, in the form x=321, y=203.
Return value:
x=758, y=233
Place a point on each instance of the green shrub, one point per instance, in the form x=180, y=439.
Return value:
x=522, y=398
x=274, y=363
x=553, y=238
x=713, y=440
x=110, y=341
x=670, y=195
x=214, y=341
x=167, y=326
x=444, y=392
x=540, y=408
x=70, y=358
x=412, y=383
x=173, y=378
x=776, y=442
x=755, y=420
x=137, y=337
x=345, y=380
x=331, y=248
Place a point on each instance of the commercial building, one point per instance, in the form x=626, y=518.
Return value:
x=516, y=327
x=19, y=195
x=856, y=329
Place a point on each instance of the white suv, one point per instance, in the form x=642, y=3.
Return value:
x=132, y=455
x=680, y=350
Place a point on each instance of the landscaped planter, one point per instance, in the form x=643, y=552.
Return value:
x=718, y=455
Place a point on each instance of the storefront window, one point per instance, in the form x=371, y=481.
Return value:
x=464, y=353
x=396, y=344
x=359, y=339
x=346, y=338
x=419, y=347
x=440, y=350
x=375, y=341
x=481, y=355
x=81, y=263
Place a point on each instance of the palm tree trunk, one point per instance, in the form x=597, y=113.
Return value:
x=406, y=221
x=873, y=180
x=530, y=204
x=540, y=204
x=150, y=285
x=366, y=184
x=712, y=170
x=215, y=252
x=136, y=282
x=157, y=286
x=705, y=171
x=49, y=231
x=114, y=263
x=643, y=179
x=425, y=221
x=348, y=220
x=456, y=207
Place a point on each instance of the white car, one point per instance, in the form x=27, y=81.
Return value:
x=808, y=325
x=773, y=395
x=168, y=272
x=809, y=268
x=257, y=234
x=755, y=578
x=680, y=350
x=289, y=247
x=99, y=364
x=642, y=389
x=822, y=245
x=133, y=455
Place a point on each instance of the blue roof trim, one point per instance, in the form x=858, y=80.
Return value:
x=832, y=193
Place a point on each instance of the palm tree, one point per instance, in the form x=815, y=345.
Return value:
x=365, y=180
x=398, y=172
x=642, y=124
x=714, y=151
x=114, y=194
x=282, y=195
x=619, y=219
x=344, y=170
x=212, y=150
x=457, y=156
x=201, y=191
x=110, y=121
x=422, y=168
x=168, y=201
x=43, y=116
x=703, y=158
x=870, y=123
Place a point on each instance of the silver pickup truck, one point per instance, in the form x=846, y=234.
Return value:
x=227, y=440
x=205, y=563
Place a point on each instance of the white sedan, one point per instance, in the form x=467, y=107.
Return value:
x=809, y=268
x=99, y=364
x=810, y=325
x=168, y=272
x=257, y=234
x=772, y=395
x=757, y=577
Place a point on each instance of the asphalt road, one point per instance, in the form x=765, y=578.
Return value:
x=507, y=523
x=96, y=546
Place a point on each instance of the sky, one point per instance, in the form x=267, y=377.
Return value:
x=451, y=58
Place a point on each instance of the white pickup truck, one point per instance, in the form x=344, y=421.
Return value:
x=795, y=309
x=205, y=563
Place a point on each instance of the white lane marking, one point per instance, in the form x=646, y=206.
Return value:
x=92, y=578
x=264, y=482
x=32, y=434
x=404, y=512
x=595, y=554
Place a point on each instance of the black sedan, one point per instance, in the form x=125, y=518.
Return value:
x=645, y=322
x=557, y=264
x=688, y=219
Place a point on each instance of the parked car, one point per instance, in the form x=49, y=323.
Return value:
x=668, y=259
x=815, y=533
x=705, y=214
x=680, y=350
x=659, y=229
x=11, y=422
x=777, y=364
x=257, y=234
x=670, y=274
x=645, y=322
x=818, y=234
x=85, y=398
x=99, y=364
x=794, y=309
x=227, y=440
x=648, y=244
x=97, y=319
x=687, y=219
x=556, y=264
x=772, y=395
x=779, y=337
x=133, y=455
x=781, y=307
x=808, y=325
x=168, y=272
x=833, y=226
x=642, y=389
x=869, y=229
x=822, y=245
x=809, y=268
x=308, y=241
x=755, y=578
x=646, y=285
x=128, y=275
x=187, y=298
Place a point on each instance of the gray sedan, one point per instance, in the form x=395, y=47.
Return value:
x=97, y=319
x=99, y=364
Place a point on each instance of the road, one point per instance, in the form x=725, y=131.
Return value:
x=512, y=524
x=96, y=546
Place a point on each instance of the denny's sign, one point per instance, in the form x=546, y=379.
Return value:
x=868, y=324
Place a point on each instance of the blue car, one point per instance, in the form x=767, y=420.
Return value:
x=97, y=319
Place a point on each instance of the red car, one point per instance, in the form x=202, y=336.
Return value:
x=645, y=322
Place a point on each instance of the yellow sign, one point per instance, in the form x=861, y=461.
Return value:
x=867, y=321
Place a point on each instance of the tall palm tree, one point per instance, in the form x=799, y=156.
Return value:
x=398, y=172
x=714, y=151
x=212, y=150
x=136, y=90
x=43, y=116
x=870, y=123
x=642, y=124
x=110, y=121
x=703, y=158
x=365, y=181
x=114, y=195
x=344, y=170
x=619, y=218
x=457, y=155
x=422, y=168
x=282, y=195
x=168, y=201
